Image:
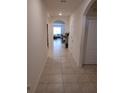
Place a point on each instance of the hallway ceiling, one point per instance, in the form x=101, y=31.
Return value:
x=66, y=7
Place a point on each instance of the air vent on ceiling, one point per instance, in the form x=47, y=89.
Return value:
x=63, y=1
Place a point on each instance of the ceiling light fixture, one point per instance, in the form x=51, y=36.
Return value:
x=60, y=14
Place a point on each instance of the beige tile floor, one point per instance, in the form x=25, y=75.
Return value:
x=61, y=74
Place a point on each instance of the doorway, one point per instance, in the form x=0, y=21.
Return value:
x=58, y=31
x=90, y=38
x=91, y=43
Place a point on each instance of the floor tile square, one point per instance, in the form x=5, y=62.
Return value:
x=70, y=78
x=55, y=88
x=41, y=88
x=72, y=88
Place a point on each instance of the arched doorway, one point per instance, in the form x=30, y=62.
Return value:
x=58, y=29
x=90, y=35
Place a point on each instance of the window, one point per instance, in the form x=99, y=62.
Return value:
x=56, y=30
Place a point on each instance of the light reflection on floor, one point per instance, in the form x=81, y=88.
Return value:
x=58, y=49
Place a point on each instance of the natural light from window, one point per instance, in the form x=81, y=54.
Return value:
x=57, y=30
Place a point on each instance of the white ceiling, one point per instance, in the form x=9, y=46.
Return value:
x=56, y=6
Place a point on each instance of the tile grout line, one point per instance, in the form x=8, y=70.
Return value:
x=62, y=78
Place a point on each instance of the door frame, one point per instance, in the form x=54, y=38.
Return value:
x=84, y=34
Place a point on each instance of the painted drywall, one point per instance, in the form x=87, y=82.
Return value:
x=91, y=45
x=77, y=31
x=51, y=21
x=91, y=36
x=36, y=42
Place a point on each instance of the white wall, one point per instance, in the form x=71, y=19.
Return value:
x=90, y=55
x=77, y=29
x=36, y=41
x=91, y=45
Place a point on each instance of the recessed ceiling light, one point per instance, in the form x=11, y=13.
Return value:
x=60, y=14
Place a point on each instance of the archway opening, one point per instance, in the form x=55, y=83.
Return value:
x=58, y=29
x=90, y=35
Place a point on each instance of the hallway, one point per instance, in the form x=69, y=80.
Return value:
x=33, y=55
x=61, y=75
x=51, y=67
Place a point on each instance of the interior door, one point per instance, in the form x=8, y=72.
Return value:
x=91, y=45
